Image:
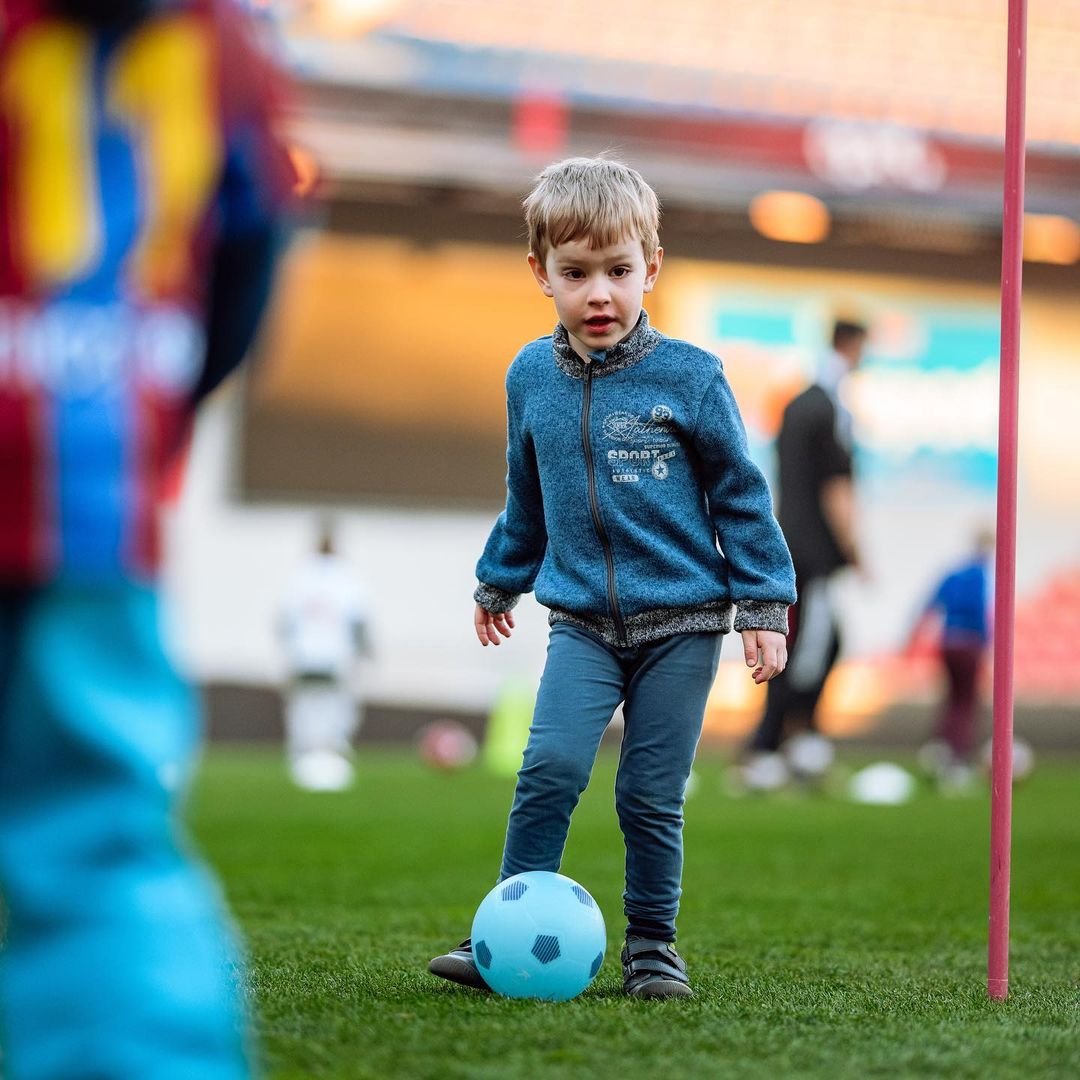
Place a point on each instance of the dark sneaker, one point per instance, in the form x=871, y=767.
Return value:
x=459, y=966
x=653, y=969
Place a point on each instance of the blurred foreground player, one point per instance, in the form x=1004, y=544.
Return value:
x=140, y=200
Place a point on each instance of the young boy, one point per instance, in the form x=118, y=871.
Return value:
x=627, y=463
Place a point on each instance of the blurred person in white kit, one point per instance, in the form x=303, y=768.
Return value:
x=324, y=634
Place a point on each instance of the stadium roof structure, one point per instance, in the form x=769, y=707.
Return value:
x=938, y=65
x=890, y=112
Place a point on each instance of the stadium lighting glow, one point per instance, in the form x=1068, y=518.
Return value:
x=790, y=216
x=1050, y=238
x=354, y=16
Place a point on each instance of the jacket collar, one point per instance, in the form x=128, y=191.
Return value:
x=634, y=347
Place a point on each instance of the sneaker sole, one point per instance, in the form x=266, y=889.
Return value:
x=661, y=988
x=458, y=971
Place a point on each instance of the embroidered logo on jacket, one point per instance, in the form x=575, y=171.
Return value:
x=653, y=445
x=626, y=427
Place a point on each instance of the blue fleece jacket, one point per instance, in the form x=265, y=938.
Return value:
x=623, y=473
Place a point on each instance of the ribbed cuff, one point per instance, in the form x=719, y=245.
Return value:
x=761, y=615
x=493, y=599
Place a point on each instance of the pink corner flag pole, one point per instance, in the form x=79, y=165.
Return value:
x=997, y=977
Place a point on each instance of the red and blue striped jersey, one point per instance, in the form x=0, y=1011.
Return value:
x=129, y=158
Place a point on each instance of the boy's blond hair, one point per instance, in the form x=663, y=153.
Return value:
x=597, y=198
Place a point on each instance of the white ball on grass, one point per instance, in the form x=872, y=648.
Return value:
x=882, y=784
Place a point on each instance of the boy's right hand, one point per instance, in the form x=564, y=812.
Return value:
x=489, y=625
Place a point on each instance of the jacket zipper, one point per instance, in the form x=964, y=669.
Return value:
x=594, y=505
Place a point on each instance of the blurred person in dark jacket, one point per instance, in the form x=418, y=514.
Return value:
x=816, y=511
x=141, y=202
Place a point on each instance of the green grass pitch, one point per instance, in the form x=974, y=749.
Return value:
x=824, y=939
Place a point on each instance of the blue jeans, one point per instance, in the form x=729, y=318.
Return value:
x=118, y=961
x=663, y=687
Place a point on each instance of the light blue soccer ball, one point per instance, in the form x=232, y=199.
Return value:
x=538, y=935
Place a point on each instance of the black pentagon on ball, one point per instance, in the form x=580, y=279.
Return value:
x=515, y=890
x=546, y=948
x=596, y=965
x=482, y=954
x=583, y=896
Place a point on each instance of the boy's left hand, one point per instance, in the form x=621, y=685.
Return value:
x=766, y=650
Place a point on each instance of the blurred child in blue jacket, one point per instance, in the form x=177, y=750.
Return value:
x=962, y=603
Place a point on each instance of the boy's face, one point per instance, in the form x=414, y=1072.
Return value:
x=597, y=291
